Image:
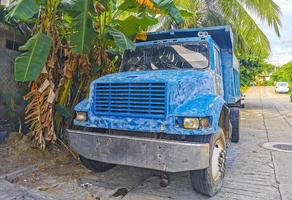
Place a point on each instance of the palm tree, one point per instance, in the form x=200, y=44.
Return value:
x=249, y=38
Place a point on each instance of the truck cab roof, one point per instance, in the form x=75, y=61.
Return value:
x=222, y=35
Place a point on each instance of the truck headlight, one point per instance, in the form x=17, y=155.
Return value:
x=191, y=123
x=196, y=123
x=81, y=116
x=205, y=123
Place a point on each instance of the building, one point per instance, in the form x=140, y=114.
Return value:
x=11, y=103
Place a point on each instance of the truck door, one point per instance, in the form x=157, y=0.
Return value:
x=218, y=72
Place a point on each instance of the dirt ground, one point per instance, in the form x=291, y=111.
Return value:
x=17, y=152
x=56, y=174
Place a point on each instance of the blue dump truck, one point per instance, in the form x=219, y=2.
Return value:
x=174, y=106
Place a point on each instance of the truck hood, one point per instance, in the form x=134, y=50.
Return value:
x=165, y=76
x=182, y=85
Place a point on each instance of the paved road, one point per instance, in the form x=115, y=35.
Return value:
x=252, y=173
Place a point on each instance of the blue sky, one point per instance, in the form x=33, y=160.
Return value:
x=281, y=47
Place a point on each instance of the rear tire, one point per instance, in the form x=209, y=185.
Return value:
x=95, y=166
x=235, y=120
x=209, y=181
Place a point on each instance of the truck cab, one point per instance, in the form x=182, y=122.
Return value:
x=172, y=107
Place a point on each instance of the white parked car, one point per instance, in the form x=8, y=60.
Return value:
x=282, y=87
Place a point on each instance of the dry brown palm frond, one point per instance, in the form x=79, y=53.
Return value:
x=39, y=112
x=84, y=65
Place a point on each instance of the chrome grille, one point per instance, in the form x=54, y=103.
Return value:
x=130, y=99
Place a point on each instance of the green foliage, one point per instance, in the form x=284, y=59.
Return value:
x=70, y=41
x=267, y=10
x=83, y=34
x=111, y=23
x=170, y=8
x=185, y=12
x=175, y=13
x=249, y=38
x=270, y=82
x=122, y=42
x=30, y=63
x=252, y=69
x=138, y=23
x=283, y=73
x=65, y=112
x=23, y=10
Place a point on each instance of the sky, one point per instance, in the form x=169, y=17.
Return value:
x=281, y=47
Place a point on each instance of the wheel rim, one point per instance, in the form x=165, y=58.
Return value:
x=218, y=160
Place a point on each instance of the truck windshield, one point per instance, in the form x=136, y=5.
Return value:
x=162, y=57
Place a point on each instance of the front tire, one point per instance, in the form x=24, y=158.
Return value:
x=209, y=181
x=94, y=165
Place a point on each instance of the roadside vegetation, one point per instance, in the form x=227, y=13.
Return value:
x=283, y=74
x=70, y=43
x=254, y=70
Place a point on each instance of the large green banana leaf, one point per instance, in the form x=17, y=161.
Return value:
x=83, y=34
x=133, y=25
x=22, y=10
x=30, y=63
x=121, y=41
x=175, y=13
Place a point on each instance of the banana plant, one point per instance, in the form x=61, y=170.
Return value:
x=32, y=60
x=70, y=38
x=83, y=14
x=22, y=10
x=83, y=34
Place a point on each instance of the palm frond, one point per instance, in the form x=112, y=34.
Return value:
x=248, y=36
x=245, y=27
x=267, y=10
x=196, y=7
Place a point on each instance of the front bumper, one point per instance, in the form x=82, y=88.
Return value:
x=163, y=155
x=282, y=90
